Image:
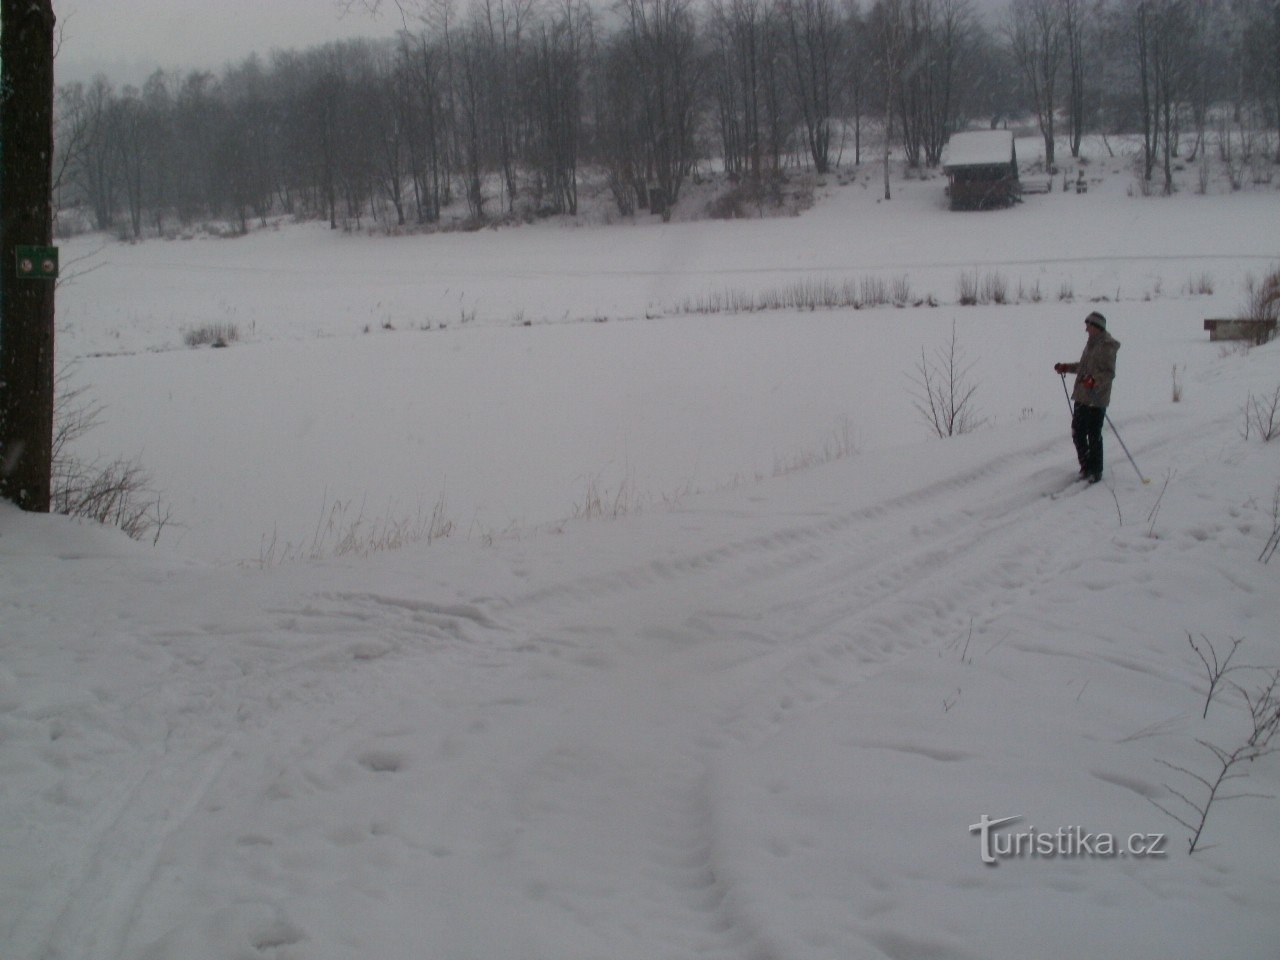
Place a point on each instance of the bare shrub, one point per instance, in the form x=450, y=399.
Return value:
x=119, y=493
x=734, y=204
x=211, y=335
x=116, y=495
x=1273, y=541
x=1262, y=416
x=900, y=291
x=1229, y=765
x=800, y=199
x=1215, y=667
x=1262, y=304
x=1233, y=348
x=943, y=390
x=1142, y=186
x=967, y=289
x=755, y=196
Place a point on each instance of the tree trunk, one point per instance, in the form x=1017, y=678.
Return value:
x=26, y=306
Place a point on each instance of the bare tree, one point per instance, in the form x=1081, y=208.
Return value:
x=1171, y=60
x=616, y=113
x=738, y=40
x=96, y=170
x=248, y=127
x=196, y=115
x=1260, y=57
x=556, y=105
x=938, y=38
x=70, y=133
x=1037, y=39
x=471, y=86
x=887, y=30
x=659, y=41
x=129, y=140
x=158, y=146
x=857, y=73
x=1075, y=26
x=1159, y=37
x=814, y=37
x=429, y=117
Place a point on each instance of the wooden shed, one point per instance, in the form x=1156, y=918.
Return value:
x=982, y=169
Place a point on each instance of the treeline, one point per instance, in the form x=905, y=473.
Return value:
x=506, y=105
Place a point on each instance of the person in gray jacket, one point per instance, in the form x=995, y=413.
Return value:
x=1092, y=394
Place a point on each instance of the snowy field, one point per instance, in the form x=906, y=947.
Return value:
x=513, y=427
x=752, y=717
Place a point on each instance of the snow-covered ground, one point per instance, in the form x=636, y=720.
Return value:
x=754, y=716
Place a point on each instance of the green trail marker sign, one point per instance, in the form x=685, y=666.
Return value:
x=37, y=263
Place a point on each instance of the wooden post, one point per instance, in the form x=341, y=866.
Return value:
x=26, y=300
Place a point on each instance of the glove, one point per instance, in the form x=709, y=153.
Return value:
x=1059, y=368
x=1090, y=383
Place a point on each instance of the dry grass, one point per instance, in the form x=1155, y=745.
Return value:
x=839, y=445
x=211, y=335
x=345, y=530
x=973, y=289
x=809, y=294
x=1200, y=285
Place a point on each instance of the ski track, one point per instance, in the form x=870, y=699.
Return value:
x=661, y=683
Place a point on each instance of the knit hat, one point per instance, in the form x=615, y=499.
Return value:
x=1097, y=319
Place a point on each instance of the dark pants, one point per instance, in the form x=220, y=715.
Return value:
x=1086, y=431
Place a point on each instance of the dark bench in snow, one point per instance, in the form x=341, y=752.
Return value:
x=1257, y=331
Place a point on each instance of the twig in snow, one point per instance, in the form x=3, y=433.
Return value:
x=1214, y=668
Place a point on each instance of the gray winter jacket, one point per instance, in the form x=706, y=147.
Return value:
x=1099, y=363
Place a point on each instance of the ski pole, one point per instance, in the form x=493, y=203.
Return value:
x=1067, y=393
x=1145, y=480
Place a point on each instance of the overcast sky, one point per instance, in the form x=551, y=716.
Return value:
x=127, y=39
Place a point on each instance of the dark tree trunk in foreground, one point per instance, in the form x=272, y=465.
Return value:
x=26, y=310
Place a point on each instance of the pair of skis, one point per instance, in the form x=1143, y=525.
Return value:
x=1071, y=489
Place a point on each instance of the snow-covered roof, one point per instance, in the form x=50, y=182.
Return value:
x=978, y=148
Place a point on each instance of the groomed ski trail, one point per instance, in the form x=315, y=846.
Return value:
x=581, y=718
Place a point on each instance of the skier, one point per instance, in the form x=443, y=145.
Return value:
x=1092, y=394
